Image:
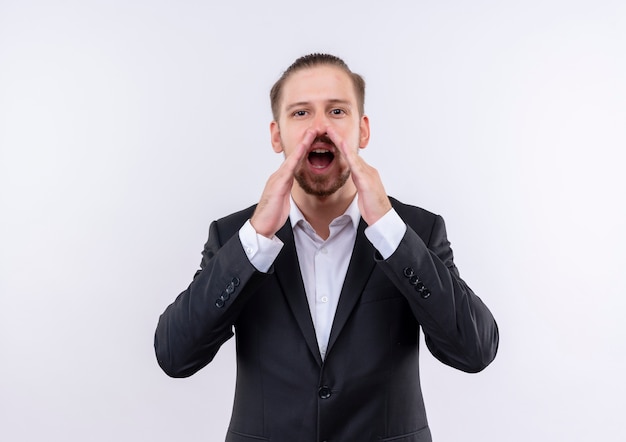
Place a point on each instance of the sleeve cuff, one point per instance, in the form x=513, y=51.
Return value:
x=261, y=251
x=386, y=233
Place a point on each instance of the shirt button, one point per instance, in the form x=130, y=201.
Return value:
x=324, y=298
x=324, y=250
x=249, y=251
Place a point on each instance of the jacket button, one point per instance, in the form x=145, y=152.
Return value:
x=230, y=288
x=425, y=294
x=324, y=393
x=408, y=272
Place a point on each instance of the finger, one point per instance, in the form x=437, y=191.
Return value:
x=298, y=154
x=342, y=145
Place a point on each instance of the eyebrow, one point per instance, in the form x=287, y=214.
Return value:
x=331, y=101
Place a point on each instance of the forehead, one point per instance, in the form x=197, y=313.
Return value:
x=319, y=83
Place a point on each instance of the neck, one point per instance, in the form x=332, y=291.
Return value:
x=320, y=211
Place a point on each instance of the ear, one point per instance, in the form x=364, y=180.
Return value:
x=277, y=144
x=364, y=132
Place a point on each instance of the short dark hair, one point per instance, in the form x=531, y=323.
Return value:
x=312, y=60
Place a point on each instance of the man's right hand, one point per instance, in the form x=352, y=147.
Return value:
x=273, y=209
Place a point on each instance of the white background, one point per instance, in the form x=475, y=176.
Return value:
x=127, y=126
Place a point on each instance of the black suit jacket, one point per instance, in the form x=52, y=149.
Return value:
x=368, y=386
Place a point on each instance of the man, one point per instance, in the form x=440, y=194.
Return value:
x=326, y=282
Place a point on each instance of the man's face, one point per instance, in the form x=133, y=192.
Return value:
x=318, y=98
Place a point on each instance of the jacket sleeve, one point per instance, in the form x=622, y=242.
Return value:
x=192, y=329
x=459, y=329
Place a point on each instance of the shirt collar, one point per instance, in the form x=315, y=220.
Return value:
x=352, y=212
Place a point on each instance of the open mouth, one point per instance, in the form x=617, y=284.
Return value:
x=320, y=158
x=322, y=153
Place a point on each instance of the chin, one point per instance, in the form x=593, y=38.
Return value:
x=321, y=186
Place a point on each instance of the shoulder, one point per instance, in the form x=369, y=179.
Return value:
x=411, y=212
x=231, y=224
x=420, y=220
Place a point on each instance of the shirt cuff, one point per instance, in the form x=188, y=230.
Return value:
x=261, y=251
x=386, y=233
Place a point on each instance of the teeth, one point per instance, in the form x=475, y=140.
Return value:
x=320, y=151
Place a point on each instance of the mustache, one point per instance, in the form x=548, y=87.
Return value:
x=323, y=139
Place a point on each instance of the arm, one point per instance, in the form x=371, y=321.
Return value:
x=200, y=320
x=459, y=329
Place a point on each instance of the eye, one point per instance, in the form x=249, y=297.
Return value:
x=337, y=112
x=299, y=113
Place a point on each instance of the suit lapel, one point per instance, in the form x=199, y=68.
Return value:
x=360, y=267
x=290, y=280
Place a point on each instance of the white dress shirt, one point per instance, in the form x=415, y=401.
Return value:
x=323, y=263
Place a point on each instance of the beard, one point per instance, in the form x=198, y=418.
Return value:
x=321, y=186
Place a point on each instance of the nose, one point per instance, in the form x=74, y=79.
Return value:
x=320, y=123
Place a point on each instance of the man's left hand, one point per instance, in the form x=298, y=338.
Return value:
x=373, y=200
